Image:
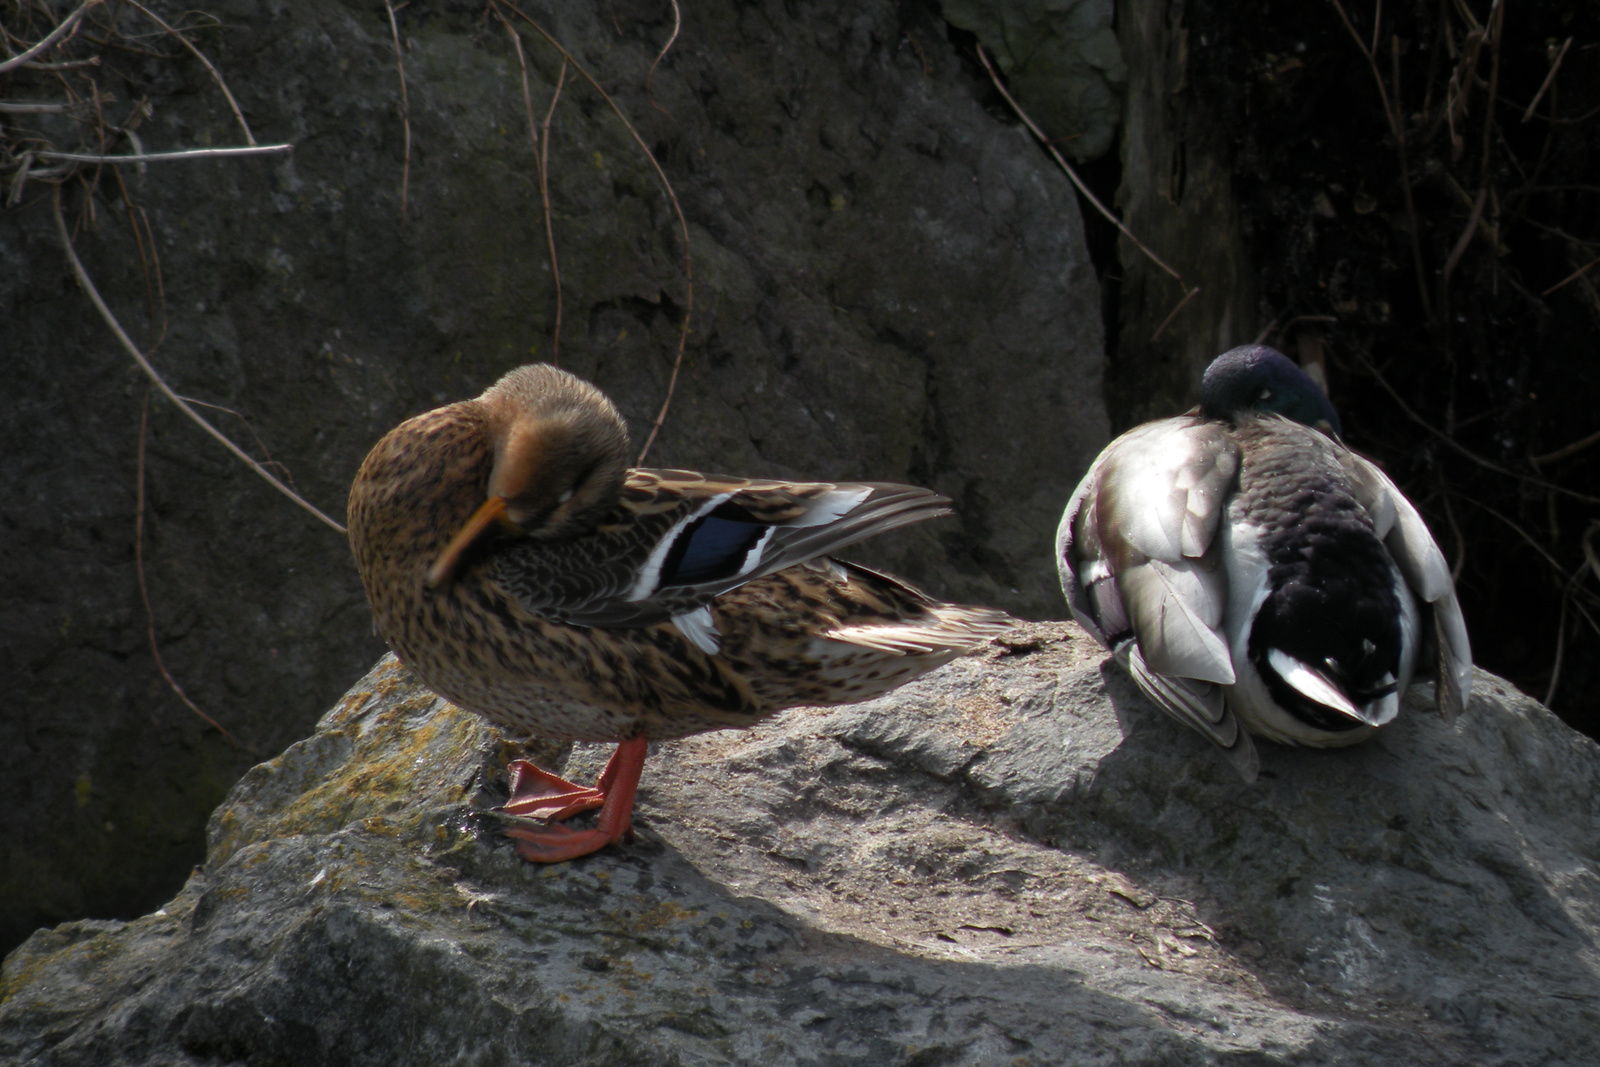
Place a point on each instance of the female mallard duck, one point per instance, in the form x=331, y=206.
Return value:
x=1254, y=574
x=521, y=570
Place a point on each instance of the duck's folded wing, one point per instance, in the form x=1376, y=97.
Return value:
x=679, y=539
x=1199, y=705
x=1425, y=570
x=1136, y=546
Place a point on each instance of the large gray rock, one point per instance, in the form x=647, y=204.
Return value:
x=1063, y=63
x=1015, y=860
x=890, y=283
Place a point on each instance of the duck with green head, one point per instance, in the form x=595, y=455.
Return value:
x=1256, y=576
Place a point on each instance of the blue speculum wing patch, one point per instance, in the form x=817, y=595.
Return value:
x=709, y=549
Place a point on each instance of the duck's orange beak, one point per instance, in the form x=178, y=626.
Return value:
x=444, y=568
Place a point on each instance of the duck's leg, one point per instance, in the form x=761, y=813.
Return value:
x=616, y=788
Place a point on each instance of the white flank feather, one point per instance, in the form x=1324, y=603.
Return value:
x=700, y=629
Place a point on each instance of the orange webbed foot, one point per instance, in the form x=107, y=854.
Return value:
x=544, y=795
x=558, y=843
x=538, y=793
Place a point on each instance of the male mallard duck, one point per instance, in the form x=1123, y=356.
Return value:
x=521, y=570
x=1254, y=574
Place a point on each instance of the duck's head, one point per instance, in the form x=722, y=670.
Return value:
x=1260, y=379
x=560, y=457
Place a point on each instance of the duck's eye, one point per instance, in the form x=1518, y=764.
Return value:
x=1266, y=394
x=565, y=496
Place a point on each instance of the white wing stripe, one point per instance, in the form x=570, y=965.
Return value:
x=650, y=574
x=752, y=559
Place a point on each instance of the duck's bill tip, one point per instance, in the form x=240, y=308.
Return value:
x=444, y=568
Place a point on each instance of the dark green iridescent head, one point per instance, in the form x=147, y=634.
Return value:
x=1260, y=379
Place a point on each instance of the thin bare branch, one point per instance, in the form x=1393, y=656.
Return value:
x=677, y=24
x=144, y=592
x=1555, y=65
x=1457, y=446
x=1576, y=120
x=1561, y=650
x=24, y=170
x=161, y=157
x=234, y=104
x=405, y=107
x=683, y=222
x=66, y=64
x=1455, y=106
x=1173, y=314
x=150, y=371
x=1574, y=276
x=541, y=156
x=1461, y=244
x=154, y=287
x=1569, y=450
x=50, y=38
x=1396, y=128
x=269, y=462
x=1590, y=554
x=1072, y=174
x=1497, y=19
x=40, y=107
x=1539, y=549
x=544, y=201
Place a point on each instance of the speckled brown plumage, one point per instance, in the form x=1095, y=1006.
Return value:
x=590, y=602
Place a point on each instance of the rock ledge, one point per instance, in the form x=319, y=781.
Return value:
x=1015, y=860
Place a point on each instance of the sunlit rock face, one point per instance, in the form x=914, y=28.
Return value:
x=1016, y=859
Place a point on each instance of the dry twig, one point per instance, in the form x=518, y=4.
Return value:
x=677, y=24
x=144, y=592
x=541, y=156
x=1398, y=130
x=405, y=107
x=232, y=103
x=1458, y=447
x=1574, y=276
x=1567, y=450
x=1555, y=65
x=1072, y=175
x=150, y=371
x=683, y=222
x=162, y=157
x=49, y=39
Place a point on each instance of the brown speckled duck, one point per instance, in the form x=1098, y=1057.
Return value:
x=519, y=567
